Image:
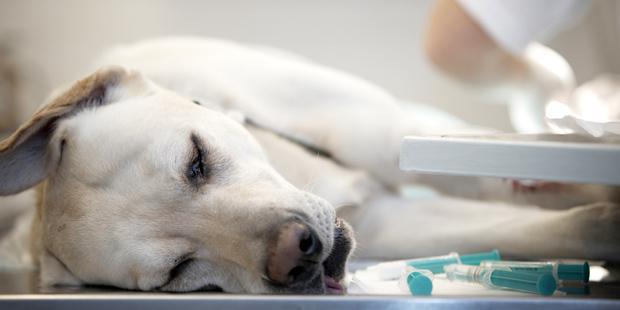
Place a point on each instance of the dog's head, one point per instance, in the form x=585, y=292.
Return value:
x=147, y=190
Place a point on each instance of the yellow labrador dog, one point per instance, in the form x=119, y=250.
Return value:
x=146, y=190
x=230, y=177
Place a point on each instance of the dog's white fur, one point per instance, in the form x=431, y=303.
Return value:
x=284, y=101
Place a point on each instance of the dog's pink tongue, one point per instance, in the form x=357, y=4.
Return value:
x=332, y=286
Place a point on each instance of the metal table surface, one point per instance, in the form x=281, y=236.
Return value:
x=20, y=291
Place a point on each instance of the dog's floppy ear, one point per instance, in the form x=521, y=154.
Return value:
x=24, y=155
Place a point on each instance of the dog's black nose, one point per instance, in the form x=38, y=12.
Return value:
x=294, y=255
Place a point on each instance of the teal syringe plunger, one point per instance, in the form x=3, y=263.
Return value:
x=529, y=282
x=416, y=282
x=392, y=270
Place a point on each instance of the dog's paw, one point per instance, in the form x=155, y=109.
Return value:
x=595, y=228
x=531, y=186
x=556, y=195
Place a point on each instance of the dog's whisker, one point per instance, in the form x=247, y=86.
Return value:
x=309, y=186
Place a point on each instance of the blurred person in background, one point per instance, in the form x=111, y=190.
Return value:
x=493, y=44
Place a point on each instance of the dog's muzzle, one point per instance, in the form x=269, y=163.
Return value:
x=335, y=265
x=293, y=261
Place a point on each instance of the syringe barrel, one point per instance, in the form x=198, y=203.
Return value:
x=538, y=283
x=436, y=264
x=559, y=270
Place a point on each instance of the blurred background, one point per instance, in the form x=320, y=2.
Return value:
x=44, y=44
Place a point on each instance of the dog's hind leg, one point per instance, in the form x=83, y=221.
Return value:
x=391, y=227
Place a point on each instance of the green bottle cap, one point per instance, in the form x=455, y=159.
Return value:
x=419, y=284
x=579, y=272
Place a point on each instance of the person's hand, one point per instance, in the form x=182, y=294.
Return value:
x=548, y=77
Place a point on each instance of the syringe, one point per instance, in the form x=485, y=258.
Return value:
x=537, y=283
x=392, y=270
x=559, y=270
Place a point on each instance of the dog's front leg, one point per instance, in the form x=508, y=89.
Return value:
x=551, y=195
x=390, y=227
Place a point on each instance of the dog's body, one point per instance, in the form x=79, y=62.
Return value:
x=292, y=110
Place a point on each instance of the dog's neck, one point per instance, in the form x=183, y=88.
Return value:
x=313, y=149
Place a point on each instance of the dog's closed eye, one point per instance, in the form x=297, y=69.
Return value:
x=197, y=169
x=61, y=148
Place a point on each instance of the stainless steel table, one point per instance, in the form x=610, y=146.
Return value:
x=19, y=291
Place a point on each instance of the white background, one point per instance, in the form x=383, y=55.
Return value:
x=377, y=40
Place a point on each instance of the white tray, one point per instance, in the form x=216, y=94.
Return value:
x=564, y=158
